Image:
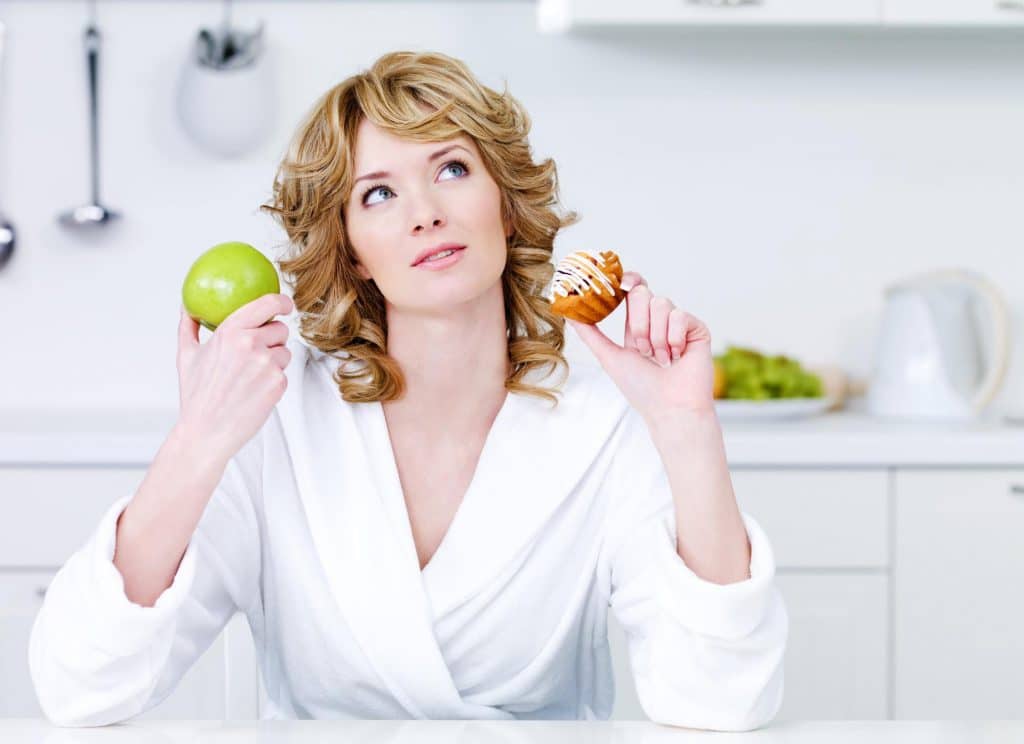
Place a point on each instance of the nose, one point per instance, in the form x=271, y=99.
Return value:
x=436, y=222
x=431, y=215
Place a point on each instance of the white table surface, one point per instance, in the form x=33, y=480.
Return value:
x=510, y=732
x=847, y=438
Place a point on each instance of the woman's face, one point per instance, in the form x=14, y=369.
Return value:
x=409, y=197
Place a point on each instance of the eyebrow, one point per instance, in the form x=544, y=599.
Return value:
x=432, y=158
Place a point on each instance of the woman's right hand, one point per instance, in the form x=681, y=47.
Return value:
x=229, y=385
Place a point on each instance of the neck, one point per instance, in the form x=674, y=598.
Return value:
x=453, y=362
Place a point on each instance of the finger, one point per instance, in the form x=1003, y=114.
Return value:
x=638, y=319
x=255, y=313
x=281, y=355
x=677, y=323
x=188, y=331
x=272, y=334
x=661, y=307
x=631, y=279
x=602, y=346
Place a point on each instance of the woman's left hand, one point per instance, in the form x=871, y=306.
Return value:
x=664, y=366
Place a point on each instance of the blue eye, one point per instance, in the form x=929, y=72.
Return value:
x=374, y=188
x=456, y=163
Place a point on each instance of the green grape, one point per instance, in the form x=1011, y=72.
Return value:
x=751, y=375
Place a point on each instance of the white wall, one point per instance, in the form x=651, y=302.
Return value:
x=770, y=181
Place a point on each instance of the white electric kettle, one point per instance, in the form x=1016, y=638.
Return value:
x=929, y=361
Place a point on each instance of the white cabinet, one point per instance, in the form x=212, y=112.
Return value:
x=561, y=15
x=953, y=12
x=50, y=511
x=959, y=594
x=837, y=650
x=555, y=16
x=830, y=533
x=819, y=519
x=836, y=654
x=48, y=514
x=20, y=597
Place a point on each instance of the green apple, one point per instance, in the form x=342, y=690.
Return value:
x=223, y=279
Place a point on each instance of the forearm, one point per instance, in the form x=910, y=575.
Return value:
x=155, y=528
x=710, y=535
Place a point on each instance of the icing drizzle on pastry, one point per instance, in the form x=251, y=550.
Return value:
x=580, y=271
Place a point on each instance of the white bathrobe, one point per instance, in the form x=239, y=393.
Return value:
x=568, y=513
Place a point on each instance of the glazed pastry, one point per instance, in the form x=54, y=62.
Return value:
x=586, y=286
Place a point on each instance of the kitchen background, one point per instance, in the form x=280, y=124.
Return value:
x=771, y=180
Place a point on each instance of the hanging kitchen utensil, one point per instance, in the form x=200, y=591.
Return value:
x=7, y=233
x=225, y=97
x=93, y=214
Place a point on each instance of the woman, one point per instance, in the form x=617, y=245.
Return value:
x=409, y=525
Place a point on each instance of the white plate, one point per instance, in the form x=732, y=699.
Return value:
x=778, y=408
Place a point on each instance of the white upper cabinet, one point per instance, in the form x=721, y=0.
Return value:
x=555, y=16
x=953, y=12
x=561, y=15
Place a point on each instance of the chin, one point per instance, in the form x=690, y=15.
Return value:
x=446, y=295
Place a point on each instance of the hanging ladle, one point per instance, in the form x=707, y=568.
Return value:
x=91, y=214
x=7, y=233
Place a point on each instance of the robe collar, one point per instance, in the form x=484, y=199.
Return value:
x=348, y=484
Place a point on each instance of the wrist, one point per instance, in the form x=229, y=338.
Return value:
x=695, y=432
x=681, y=420
x=193, y=450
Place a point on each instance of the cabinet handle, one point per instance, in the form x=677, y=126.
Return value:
x=1014, y=5
x=41, y=591
x=1017, y=489
x=723, y=3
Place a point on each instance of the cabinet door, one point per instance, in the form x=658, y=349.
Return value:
x=21, y=594
x=837, y=651
x=829, y=518
x=829, y=530
x=953, y=12
x=31, y=499
x=203, y=693
x=959, y=594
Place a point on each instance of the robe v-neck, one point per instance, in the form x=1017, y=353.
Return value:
x=394, y=495
x=532, y=459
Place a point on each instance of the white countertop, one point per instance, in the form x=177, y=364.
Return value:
x=847, y=438
x=511, y=732
x=851, y=438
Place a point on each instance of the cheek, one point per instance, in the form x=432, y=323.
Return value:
x=486, y=210
x=369, y=242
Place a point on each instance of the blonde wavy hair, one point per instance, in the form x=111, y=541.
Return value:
x=426, y=97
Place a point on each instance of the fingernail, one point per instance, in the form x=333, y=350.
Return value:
x=645, y=347
x=662, y=357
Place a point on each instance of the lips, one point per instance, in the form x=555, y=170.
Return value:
x=437, y=249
